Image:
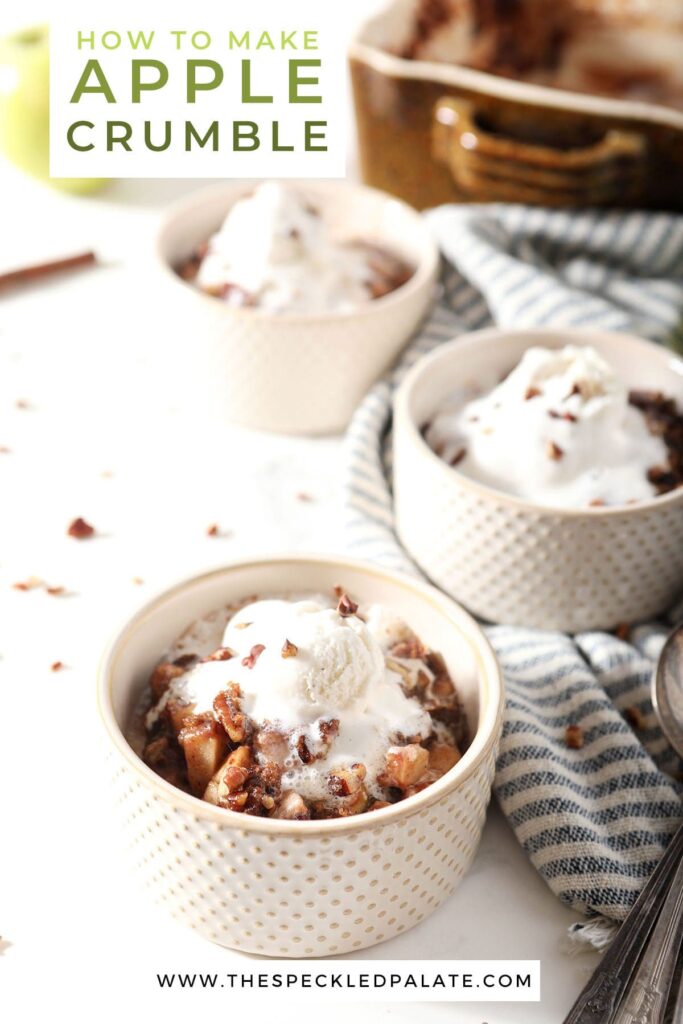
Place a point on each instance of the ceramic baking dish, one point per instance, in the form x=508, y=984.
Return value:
x=435, y=132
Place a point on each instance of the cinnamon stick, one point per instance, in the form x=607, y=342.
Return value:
x=37, y=271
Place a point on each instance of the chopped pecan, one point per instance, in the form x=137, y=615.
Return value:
x=354, y=804
x=212, y=530
x=553, y=451
x=404, y=765
x=185, y=660
x=220, y=654
x=568, y=416
x=443, y=689
x=56, y=666
x=303, y=750
x=573, y=737
x=411, y=648
x=530, y=393
x=347, y=780
x=254, y=655
x=80, y=529
x=236, y=801
x=32, y=583
x=635, y=717
x=289, y=650
x=346, y=606
x=328, y=728
x=226, y=707
x=663, y=478
x=235, y=777
x=161, y=677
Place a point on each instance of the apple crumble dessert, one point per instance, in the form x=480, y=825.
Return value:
x=563, y=430
x=302, y=707
x=627, y=49
x=274, y=252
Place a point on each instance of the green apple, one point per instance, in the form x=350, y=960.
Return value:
x=25, y=108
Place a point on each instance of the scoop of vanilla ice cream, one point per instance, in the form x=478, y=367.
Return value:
x=559, y=430
x=337, y=660
x=275, y=247
x=336, y=665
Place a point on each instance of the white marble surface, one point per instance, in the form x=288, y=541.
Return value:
x=72, y=922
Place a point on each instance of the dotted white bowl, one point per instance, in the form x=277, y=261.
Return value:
x=302, y=888
x=506, y=559
x=287, y=372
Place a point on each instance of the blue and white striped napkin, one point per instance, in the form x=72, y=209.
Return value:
x=593, y=821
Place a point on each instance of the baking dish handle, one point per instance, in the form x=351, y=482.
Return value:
x=488, y=166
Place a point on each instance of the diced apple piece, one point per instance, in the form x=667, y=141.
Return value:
x=404, y=765
x=442, y=757
x=292, y=807
x=204, y=744
x=177, y=713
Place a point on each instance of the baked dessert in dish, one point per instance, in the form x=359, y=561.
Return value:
x=563, y=430
x=300, y=707
x=274, y=252
x=621, y=48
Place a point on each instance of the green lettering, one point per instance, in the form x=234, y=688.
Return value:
x=246, y=86
x=233, y=40
x=296, y=80
x=277, y=148
x=192, y=135
x=72, y=141
x=310, y=136
x=193, y=86
x=122, y=140
x=93, y=67
x=148, y=137
x=247, y=131
x=139, y=86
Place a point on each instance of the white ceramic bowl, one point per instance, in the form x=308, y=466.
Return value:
x=511, y=561
x=307, y=888
x=288, y=372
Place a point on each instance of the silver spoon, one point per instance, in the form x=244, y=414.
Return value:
x=667, y=690
x=632, y=982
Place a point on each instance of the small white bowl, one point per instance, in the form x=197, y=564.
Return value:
x=302, y=888
x=511, y=561
x=289, y=372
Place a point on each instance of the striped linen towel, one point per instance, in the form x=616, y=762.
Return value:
x=593, y=821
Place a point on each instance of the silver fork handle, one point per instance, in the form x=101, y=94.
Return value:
x=604, y=991
x=678, y=1009
x=648, y=993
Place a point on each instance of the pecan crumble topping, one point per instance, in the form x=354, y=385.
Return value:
x=225, y=750
x=80, y=529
